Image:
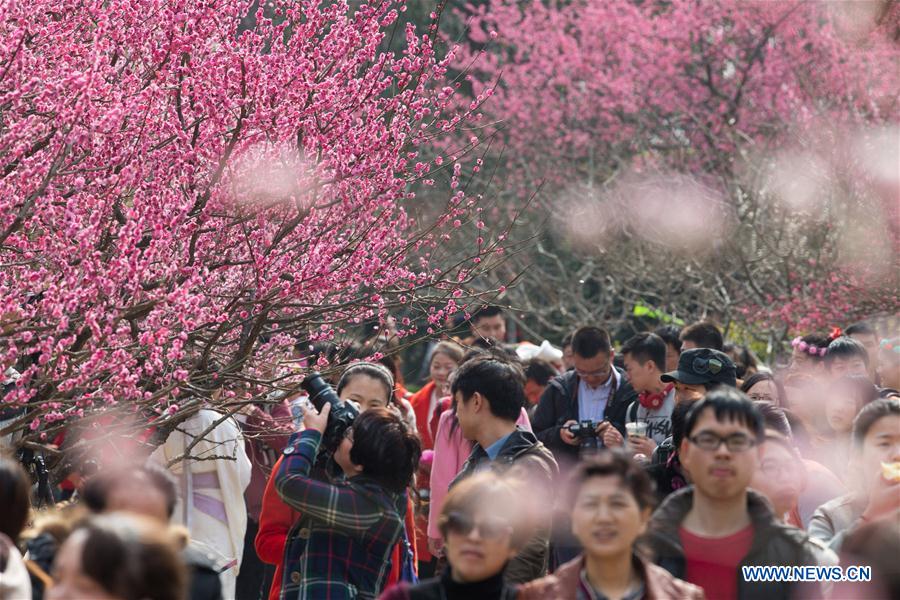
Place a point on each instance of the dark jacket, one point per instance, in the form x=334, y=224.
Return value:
x=444, y=588
x=565, y=584
x=524, y=457
x=559, y=403
x=773, y=544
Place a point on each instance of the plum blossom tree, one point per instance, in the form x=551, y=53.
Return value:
x=736, y=160
x=182, y=199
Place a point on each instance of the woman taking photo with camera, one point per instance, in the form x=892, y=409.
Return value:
x=341, y=546
x=611, y=501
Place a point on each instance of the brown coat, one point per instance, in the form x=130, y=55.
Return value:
x=563, y=584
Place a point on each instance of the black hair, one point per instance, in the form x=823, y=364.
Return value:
x=819, y=340
x=679, y=416
x=15, y=498
x=861, y=328
x=485, y=312
x=870, y=414
x=376, y=371
x=501, y=383
x=743, y=358
x=567, y=340
x=95, y=493
x=845, y=347
x=588, y=342
x=386, y=448
x=539, y=370
x=704, y=334
x=613, y=463
x=774, y=417
x=727, y=404
x=646, y=346
x=670, y=334
x=131, y=560
x=760, y=377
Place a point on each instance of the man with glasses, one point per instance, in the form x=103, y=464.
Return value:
x=706, y=532
x=594, y=391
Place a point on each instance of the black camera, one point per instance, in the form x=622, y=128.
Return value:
x=586, y=434
x=342, y=413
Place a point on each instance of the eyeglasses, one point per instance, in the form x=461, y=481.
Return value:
x=489, y=528
x=736, y=442
x=598, y=373
x=763, y=398
x=707, y=365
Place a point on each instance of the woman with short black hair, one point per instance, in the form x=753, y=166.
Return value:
x=341, y=547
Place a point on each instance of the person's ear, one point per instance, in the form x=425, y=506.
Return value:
x=645, y=519
x=684, y=452
x=477, y=401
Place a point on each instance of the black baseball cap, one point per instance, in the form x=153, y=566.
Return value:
x=703, y=365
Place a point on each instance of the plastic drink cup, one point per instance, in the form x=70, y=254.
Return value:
x=636, y=429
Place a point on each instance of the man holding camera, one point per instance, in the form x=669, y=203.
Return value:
x=581, y=404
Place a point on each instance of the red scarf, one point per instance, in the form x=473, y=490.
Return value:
x=654, y=401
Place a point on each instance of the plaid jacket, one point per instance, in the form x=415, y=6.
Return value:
x=341, y=546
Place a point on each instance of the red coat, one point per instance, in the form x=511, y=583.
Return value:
x=420, y=401
x=275, y=521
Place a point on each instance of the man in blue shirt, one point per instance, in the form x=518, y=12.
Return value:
x=489, y=395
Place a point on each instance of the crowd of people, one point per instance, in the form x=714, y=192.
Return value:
x=670, y=466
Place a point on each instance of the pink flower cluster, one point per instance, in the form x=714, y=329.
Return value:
x=798, y=343
x=172, y=189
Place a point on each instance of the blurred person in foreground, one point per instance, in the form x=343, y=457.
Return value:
x=342, y=545
x=118, y=557
x=489, y=397
x=875, y=545
x=150, y=492
x=706, y=532
x=795, y=486
x=611, y=499
x=15, y=505
x=483, y=525
x=876, y=461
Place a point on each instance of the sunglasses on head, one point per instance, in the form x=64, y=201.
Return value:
x=707, y=365
x=489, y=528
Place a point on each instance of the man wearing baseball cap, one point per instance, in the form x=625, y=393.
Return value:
x=699, y=370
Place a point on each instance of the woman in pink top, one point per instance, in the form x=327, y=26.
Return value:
x=450, y=452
